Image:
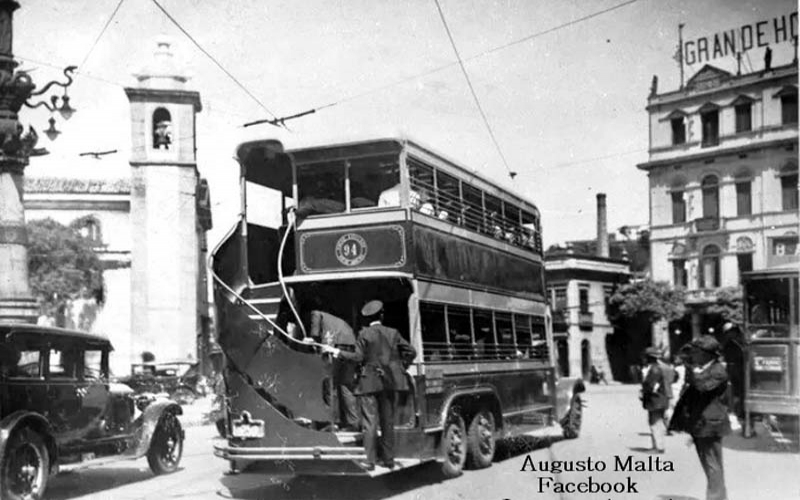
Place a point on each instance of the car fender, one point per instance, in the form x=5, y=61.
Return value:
x=148, y=422
x=566, y=388
x=38, y=422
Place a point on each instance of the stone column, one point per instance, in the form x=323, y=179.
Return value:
x=16, y=300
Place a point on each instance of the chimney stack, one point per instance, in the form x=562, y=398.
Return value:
x=602, y=226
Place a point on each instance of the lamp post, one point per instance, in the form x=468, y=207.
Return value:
x=17, y=145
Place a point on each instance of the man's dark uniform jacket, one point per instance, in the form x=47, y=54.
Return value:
x=384, y=353
x=655, y=399
x=701, y=411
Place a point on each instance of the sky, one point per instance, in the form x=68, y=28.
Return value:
x=566, y=105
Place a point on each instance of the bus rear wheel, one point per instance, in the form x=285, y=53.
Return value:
x=480, y=440
x=454, y=446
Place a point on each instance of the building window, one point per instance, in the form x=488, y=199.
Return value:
x=162, y=129
x=745, y=261
x=559, y=298
x=710, y=268
x=789, y=187
x=679, y=276
x=710, y=187
x=710, y=124
x=789, y=108
x=583, y=298
x=744, y=204
x=678, y=130
x=744, y=117
x=678, y=207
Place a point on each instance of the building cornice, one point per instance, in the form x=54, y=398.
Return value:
x=731, y=151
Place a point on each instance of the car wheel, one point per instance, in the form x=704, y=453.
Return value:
x=571, y=423
x=25, y=466
x=183, y=395
x=480, y=440
x=454, y=446
x=166, y=447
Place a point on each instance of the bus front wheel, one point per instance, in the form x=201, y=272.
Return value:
x=454, y=446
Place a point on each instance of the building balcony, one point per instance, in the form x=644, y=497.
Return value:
x=560, y=317
x=585, y=320
x=707, y=224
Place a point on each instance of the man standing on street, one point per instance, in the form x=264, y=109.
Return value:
x=335, y=332
x=384, y=354
x=655, y=398
x=702, y=411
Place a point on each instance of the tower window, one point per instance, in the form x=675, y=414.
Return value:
x=162, y=129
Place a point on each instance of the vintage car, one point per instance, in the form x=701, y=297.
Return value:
x=59, y=407
x=179, y=380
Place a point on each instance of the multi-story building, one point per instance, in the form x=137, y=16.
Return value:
x=723, y=181
x=579, y=286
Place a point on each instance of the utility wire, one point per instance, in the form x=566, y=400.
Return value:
x=99, y=36
x=214, y=60
x=444, y=67
x=472, y=90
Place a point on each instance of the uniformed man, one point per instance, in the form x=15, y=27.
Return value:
x=335, y=332
x=384, y=354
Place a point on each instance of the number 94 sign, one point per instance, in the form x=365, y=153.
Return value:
x=351, y=249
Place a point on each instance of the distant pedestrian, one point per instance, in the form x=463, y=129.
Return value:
x=655, y=398
x=702, y=411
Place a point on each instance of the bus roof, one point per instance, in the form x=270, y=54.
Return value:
x=330, y=151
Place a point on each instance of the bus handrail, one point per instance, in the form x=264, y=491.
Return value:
x=244, y=301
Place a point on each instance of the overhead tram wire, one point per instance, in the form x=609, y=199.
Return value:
x=511, y=173
x=99, y=36
x=214, y=60
x=444, y=67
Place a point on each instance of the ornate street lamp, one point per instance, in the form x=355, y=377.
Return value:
x=16, y=147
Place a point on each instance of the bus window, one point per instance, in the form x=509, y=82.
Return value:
x=522, y=334
x=472, y=211
x=448, y=197
x=422, y=186
x=505, y=335
x=538, y=338
x=434, y=337
x=512, y=232
x=320, y=188
x=494, y=216
x=460, y=328
x=485, y=344
x=529, y=230
x=374, y=182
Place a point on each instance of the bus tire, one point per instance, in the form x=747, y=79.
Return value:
x=571, y=424
x=480, y=440
x=453, y=446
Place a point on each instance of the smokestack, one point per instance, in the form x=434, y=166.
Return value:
x=602, y=226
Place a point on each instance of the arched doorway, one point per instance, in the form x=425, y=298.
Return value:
x=586, y=359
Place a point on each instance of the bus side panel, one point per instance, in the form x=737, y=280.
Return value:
x=292, y=379
x=519, y=392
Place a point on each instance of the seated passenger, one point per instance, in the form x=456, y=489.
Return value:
x=322, y=198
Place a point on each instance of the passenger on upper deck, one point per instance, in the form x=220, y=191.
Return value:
x=320, y=198
x=419, y=201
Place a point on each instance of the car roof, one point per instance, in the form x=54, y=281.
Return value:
x=53, y=332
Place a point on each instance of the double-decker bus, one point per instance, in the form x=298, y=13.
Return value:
x=772, y=329
x=457, y=262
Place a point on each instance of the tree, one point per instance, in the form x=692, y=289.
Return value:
x=63, y=267
x=729, y=305
x=647, y=300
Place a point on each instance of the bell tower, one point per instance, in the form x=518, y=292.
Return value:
x=166, y=273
